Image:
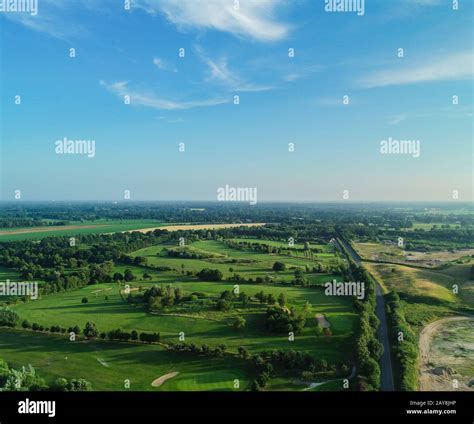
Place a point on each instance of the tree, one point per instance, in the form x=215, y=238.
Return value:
x=85, y=300
x=282, y=300
x=243, y=352
x=8, y=318
x=223, y=305
x=239, y=323
x=90, y=330
x=128, y=275
x=207, y=274
x=279, y=266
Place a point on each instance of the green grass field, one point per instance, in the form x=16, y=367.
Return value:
x=90, y=227
x=260, y=266
x=107, y=365
x=108, y=309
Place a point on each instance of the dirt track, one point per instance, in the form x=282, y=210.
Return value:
x=429, y=381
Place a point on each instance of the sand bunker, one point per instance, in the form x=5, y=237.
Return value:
x=161, y=380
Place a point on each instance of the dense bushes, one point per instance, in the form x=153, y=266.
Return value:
x=207, y=274
x=404, y=345
x=122, y=335
x=26, y=379
x=279, y=320
x=8, y=318
x=73, y=385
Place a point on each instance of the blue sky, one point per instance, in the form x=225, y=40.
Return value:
x=283, y=99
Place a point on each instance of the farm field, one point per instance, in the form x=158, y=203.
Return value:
x=80, y=228
x=188, y=227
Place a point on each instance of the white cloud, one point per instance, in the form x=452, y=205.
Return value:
x=396, y=119
x=147, y=99
x=456, y=66
x=302, y=72
x=219, y=71
x=50, y=20
x=254, y=19
x=162, y=65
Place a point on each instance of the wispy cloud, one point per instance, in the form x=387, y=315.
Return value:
x=396, y=119
x=301, y=72
x=162, y=65
x=52, y=19
x=455, y=66
x=252, y=19
x=447, y=112
x=219, y=72
x=149, y=99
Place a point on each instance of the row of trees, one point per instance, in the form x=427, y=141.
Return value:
x=368, y=348
x=404, y=345
x=126, y=336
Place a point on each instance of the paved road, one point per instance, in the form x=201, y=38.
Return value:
x=386, y=378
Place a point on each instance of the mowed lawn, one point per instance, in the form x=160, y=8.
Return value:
x=261, y=265
x=109, y=311
x=108, y=365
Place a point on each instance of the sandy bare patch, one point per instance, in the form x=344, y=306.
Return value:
x=323, y=322
x=434, y=375
x=196, y=227
x=161, y=380
x=101, y=290
x=48, y=229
